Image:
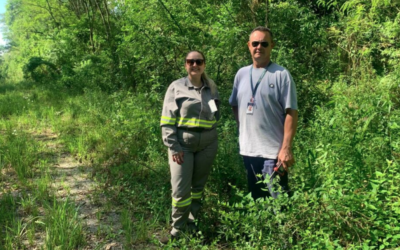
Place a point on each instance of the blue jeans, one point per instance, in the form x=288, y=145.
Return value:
x=256, y=166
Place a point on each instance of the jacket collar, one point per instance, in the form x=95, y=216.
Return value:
x=190, y=85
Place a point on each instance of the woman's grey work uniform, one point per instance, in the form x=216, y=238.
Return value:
x=188, y=125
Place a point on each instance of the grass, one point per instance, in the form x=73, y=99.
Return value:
x=63, y=229
x=31, y=214
x=20, y=152
x=119, y=143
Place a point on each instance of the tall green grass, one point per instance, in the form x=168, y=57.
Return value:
x=19, y=152
x=344, y=182
x=63, y=227
x=7, y=219
x=28, y=206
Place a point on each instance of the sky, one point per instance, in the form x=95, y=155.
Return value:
x=2, y=11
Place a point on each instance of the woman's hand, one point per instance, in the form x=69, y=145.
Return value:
x=178, y=158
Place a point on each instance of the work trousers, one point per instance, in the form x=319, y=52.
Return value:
x=258, y=169
x=188, y=180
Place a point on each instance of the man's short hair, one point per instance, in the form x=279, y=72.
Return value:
x=263, y=29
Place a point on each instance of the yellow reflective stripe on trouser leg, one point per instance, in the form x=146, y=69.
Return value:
x=183, y=203
x=197, y=195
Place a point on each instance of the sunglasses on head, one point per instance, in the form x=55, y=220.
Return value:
x=198, y=62
x=255, y=44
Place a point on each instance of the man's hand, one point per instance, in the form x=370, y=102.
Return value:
x=286, y=157
x=178, y=158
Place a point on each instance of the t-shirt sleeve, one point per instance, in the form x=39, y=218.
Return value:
x=288, y=98
x=233, y=98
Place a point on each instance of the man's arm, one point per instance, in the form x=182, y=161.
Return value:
x=236, y=114
x=285, y=154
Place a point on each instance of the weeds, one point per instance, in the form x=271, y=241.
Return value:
x=345, y=179
x=19, y=152
x=127, y=227
x=63, y=229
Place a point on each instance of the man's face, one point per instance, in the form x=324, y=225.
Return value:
x=260, y=53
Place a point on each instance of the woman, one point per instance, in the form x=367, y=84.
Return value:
x=188, y=122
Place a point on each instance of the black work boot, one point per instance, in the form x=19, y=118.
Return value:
x=172, y=236
x=192, y=228
x=169, y=238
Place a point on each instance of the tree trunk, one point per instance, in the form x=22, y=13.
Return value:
x=266, y=13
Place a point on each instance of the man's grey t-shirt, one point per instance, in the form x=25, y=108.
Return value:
x=261, y=133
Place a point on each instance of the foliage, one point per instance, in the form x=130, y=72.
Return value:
x=18, y=152
x=63, y=229
x=96, y=74
x=46, y=68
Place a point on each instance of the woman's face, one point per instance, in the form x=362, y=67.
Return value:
x=195, y=64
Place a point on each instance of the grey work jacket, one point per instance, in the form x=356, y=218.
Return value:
x=186, y=107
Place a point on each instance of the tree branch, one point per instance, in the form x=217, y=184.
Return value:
x=266, y=13
x=106, y=27
x=172, y=16
x=51, y=14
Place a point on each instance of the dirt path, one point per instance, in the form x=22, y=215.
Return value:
x=59, y=174
x=73, y=180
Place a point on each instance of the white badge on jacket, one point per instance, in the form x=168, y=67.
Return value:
x=212, y=105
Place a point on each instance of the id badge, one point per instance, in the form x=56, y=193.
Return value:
x=212, y=105
x=250, y=107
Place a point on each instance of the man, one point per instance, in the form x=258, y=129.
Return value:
x=264, y=103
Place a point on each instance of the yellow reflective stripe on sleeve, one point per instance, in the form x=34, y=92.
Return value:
x=183, y=203
x=196, y=122
x=194, y=118
x=197, y=195
x=165, y=120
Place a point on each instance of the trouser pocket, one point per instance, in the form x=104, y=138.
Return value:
x=268, y=168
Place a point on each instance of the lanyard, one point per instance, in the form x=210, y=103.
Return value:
x=254, y=90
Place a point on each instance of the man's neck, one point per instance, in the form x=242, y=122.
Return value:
x=261, y=64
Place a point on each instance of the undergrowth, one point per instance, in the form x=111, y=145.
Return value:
x=345, y=192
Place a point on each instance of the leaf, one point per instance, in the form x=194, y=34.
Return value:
x=393, y=125
x=397, y=236
x=40, y=222
x=332, y=121
x=367, y=122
